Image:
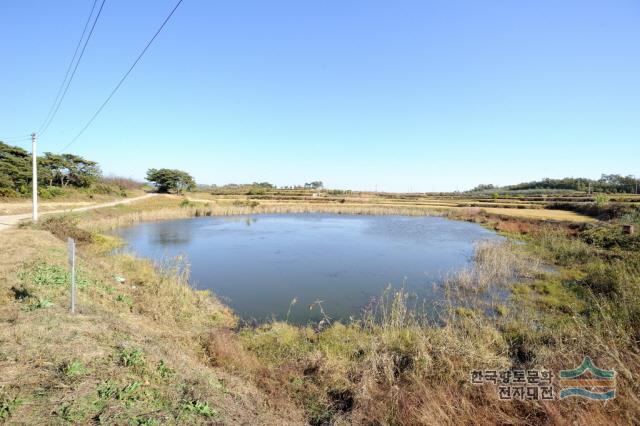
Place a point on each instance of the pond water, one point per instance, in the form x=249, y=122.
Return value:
x=257, y=264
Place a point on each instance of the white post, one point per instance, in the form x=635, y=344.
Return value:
x=34, y=183
x=72, y=267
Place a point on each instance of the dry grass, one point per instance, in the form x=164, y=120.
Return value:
x=544, y=214
x=152, y=349
x=163, y=208
x=172, y=207
x=396, y=367
x=131, y=354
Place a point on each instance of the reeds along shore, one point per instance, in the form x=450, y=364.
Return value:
x=201, y=210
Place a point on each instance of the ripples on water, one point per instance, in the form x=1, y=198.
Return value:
x=259, y=263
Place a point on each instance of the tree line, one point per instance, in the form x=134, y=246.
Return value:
x=609, y=183
x=73, y=171
x=62, y=170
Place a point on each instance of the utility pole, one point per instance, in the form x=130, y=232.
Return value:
x=34, y=178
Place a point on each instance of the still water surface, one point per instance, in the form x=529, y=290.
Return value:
x=257, y=264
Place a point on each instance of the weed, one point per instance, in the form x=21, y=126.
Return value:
x=71, y=414
x=603, y=278
x=74, y=368
x=44, y=274
x=123, y=298
x=145, y=421
x=112, y=390
x=129, y=392
x=163, y=370
x=200, y=408
x=501, y=310
x=49, y=275
x=186, y=204
x=107, y=389
x=131, y=357
x=293, y=302
x=8, y=406
x=38, y=304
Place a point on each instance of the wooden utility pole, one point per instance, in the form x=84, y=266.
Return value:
x=34, y=178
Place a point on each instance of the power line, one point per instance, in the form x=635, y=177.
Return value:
x=115, y=89
x=56, y=104
x=66, y=75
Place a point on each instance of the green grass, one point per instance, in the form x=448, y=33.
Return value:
x=130, y=357
x=8, y=406
x=51, y=275
x=74, y=368
x=199, y=408
x=38, y=303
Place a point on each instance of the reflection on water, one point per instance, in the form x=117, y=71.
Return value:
x=259, y=263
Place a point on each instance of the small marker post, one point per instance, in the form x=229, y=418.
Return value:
x=71, y=244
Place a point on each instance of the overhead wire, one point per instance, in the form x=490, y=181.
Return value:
x=62, y=93
x=124, y=77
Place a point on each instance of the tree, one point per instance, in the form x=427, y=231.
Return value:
x=68, y=170
x=483, y=187
x=53, y=170
x=316, y=184
x=15, y=169
x=167, y=180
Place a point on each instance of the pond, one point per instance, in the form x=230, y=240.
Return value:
x=258, y=264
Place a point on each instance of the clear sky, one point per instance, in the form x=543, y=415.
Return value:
x=403, y=95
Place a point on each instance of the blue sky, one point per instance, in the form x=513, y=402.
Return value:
x=398, y=95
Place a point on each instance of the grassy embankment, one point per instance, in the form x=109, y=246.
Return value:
x=152, y=350
x=132, y=355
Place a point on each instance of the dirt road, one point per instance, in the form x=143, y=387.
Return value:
x=12, y=220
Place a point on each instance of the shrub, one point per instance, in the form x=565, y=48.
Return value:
x=122, y=182
x=608, y=237
x=104, y=189
x=246, y=203
x=604, y=211
x=8, y=193
x=601, y=200
x=49, y=192
x=603, y=278
x=65, y=227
